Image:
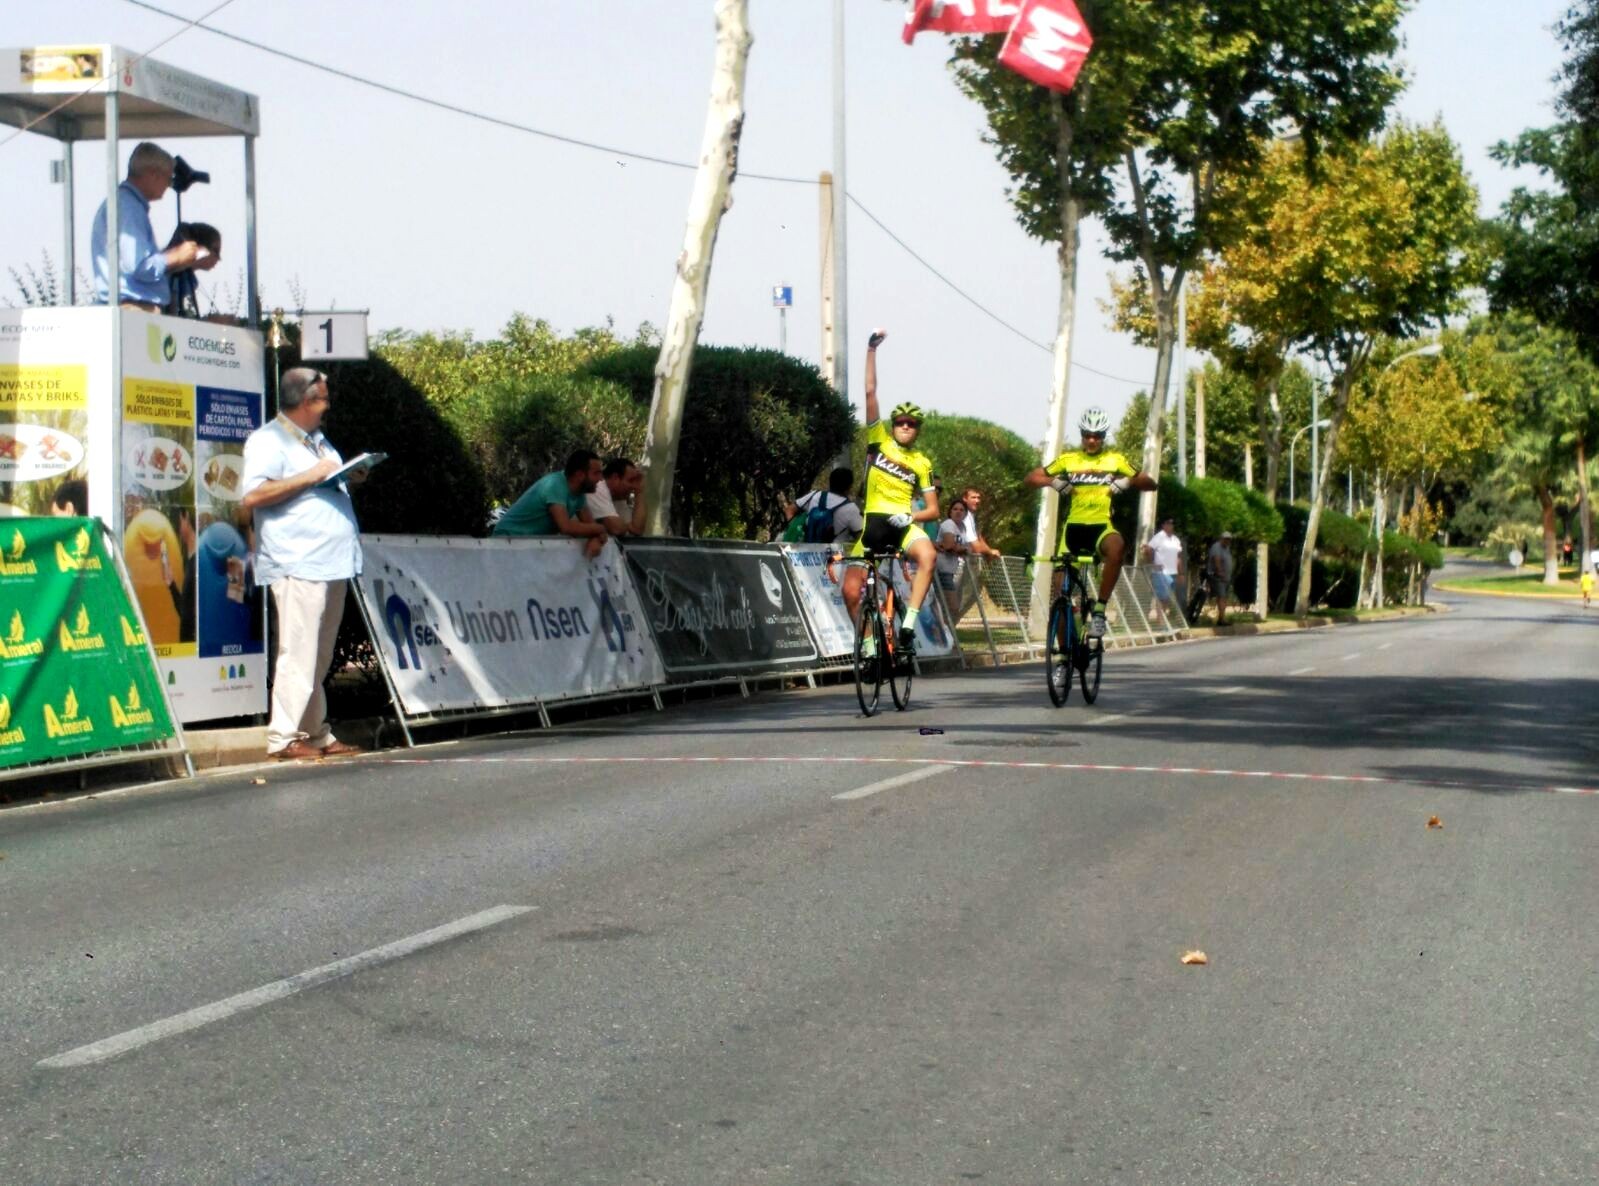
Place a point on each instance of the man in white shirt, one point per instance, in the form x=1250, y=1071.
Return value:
x=621, y=486
x=308, y=549
x=1165, y=551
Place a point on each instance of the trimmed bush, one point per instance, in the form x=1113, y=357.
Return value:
x=756, y=424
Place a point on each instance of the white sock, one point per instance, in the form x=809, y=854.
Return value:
x=910, y=615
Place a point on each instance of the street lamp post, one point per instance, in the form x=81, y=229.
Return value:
x=1293, y=444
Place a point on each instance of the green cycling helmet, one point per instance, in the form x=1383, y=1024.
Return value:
x=907, y=411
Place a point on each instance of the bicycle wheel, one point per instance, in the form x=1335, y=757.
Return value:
x=1090, y=654
x=1058, y=649
x=868, y=668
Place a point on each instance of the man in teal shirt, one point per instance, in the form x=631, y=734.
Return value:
x=557, y=504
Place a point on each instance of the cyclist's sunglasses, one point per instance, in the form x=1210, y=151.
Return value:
x=907, y=422
x=1093, y=436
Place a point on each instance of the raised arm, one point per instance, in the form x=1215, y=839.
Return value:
x=872, y=343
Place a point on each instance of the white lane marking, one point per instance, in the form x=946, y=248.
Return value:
x=1385, y=646
x=1351, y=655
x=122, y=1043
x=1115, y=716
x=1231, y=690
x=898, y=780
x=1302, y=671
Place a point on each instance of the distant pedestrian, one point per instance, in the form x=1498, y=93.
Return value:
x=1165, y=551
x=1219, y=574
x=1587, y=586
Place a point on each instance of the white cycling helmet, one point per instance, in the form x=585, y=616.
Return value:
x=1093, y=420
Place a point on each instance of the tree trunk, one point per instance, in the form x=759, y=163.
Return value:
x=1060, y=381
x=1155, y=427
x=1551, y=549
x=712, y=195
x=1199, y=423
x=1269, y=416
x=1342, y=386
x=1584, y=564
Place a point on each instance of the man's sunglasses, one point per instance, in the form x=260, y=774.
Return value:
x=904, y=422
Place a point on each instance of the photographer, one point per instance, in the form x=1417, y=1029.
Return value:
x=143, y=269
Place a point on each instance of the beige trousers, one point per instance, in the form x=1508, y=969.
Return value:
x=308, y=624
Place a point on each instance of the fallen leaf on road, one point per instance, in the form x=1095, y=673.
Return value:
x=1195, y=957
x=1434, y=822
x=260, y=782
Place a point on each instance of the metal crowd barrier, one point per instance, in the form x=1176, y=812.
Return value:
x=997, y=591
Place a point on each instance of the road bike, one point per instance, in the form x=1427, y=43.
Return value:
x=874, y=619
x=1069, y=647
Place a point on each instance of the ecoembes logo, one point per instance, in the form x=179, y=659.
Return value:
x=131, y=635
x=133, y=713
x=9, y=736
x=79, y=559
x=17, y=644
x=163, y=347
x=14, y=560
x=80, y=637
x=67, y=723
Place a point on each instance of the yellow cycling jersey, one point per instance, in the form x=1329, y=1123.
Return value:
x=894, y=475
x=1091, y=474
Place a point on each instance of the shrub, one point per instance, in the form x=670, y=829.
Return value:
x=756, y=423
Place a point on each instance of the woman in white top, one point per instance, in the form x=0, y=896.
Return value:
x=952, y=549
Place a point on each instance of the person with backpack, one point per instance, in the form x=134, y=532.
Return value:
x=825, y=516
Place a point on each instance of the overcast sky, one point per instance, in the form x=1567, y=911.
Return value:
x=436, y=221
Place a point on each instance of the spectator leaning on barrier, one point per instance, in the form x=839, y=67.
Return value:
x=952, y=549
x=308, y=549
x=143, y=270
x=557, y=504
x=621, y=485
x=847, y=521
x=1165, y=551
x=1219, y=573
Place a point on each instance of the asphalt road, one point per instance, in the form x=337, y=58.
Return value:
x=964, y=970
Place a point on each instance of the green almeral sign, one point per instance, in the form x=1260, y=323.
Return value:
x=76, y=676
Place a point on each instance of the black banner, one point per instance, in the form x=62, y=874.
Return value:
x=720, y=607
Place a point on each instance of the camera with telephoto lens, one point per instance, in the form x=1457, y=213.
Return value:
x=184, y=175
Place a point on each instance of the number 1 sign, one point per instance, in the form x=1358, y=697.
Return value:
x=332, y=336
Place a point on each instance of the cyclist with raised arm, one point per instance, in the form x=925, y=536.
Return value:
x=1087, y=477
x=896, y=472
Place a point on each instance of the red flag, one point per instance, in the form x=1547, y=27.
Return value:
x=960, y=16
x=1048, y=43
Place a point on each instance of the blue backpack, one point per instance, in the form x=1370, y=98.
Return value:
x=815, y=526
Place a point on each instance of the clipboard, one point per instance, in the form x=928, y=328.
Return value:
x=364, y=461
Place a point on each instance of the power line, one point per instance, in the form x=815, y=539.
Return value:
x=577, y=142
x=455, y=109
x=73, y=98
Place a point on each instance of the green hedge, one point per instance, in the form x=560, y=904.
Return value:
x=756, y=423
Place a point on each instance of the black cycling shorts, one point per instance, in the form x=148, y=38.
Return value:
x=1084, y=539
x=879, y=535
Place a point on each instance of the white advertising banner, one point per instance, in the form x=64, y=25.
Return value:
x=829, y=617
x=191, y=392
x=55, y=410
x=487, y=623
x=822, y=598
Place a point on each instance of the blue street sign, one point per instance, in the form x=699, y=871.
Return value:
x=782, y=296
